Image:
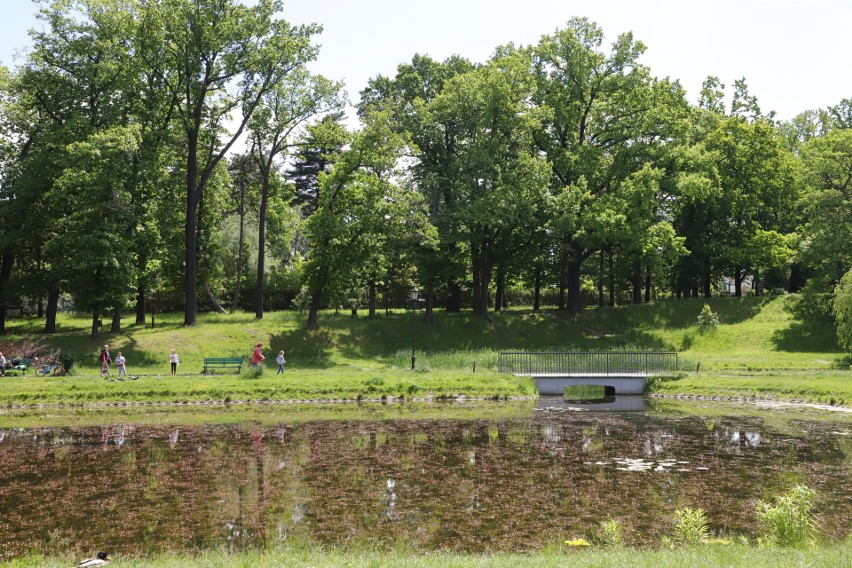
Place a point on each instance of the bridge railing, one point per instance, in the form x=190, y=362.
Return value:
x=588, y=363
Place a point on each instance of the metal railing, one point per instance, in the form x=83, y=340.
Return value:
x=645, y=363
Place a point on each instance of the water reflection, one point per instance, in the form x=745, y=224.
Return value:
x=625, y=403
x=473, y=485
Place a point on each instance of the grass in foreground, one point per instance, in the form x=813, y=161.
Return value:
x=735, y=555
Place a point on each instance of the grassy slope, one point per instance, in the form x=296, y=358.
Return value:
x=760, y=345
x=834, y=555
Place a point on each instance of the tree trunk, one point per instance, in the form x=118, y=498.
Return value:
x=647, y=285
x=216, y=305
x=115, y=327
x=611, y=279
x=707, y=283
x=5, y=273
x=190, y=307
x=52, y=307
x=575, y=304
x=261, y=247
x=313, y=312
x=235, y=301
x=738, y=283
x=454, y=297
x=537, y=291
x=429, y=314
x=501, y=290
x=141, y=303
x=636, y=282
x=601, y=280
x=371, y=300
x=96, y=314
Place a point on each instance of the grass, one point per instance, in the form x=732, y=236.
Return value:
x=763, y=347
x=734, y=555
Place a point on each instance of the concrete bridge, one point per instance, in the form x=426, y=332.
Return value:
x=619, y=372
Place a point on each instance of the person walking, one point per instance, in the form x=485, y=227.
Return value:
x=280, y=360
x=173, y=359
x=257, y=357
x=119, y=361
x=105, y=361
x=2, y=365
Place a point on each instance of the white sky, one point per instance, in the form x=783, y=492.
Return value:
x=794, y=54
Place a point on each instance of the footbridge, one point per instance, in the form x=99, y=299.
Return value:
x=619, y=372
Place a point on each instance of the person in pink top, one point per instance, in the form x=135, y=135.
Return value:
x=257, y=357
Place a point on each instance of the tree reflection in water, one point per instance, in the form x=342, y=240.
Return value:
x=488, y=485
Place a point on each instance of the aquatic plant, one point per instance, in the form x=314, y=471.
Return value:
x=691, y=526
x=790, y=522
x=610, y=533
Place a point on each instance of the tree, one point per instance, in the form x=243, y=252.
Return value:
x=432, y=147
x=602, y=114
x=497, y=181
x=215, y=58
x=826, y=206
x=295, y=99
x=357, y=206
x=842, y=307
x=92, y=246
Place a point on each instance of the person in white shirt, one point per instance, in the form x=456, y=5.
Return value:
x=2, y=365
x=173, y=359
x=119, y=362
x=280, y=360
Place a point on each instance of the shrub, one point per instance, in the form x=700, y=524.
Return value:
x=790, y=522
x=708, y=320
x=691, y=526
x=253, y=371
x=610, y=533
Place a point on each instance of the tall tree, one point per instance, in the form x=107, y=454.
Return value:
x=216, y=58
x=294, y=100
x=602, y=111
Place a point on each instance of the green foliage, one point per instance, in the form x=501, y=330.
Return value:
x=708, y=321
x=790, y=521
x=690, y=527
x=842, y=308
x=610, y=534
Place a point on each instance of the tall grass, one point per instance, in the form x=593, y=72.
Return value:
x=790, y=521
x=690, y=527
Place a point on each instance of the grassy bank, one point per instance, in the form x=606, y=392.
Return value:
x=824, y=387
x=312, y=384
x=764, y=347
x=834, y=555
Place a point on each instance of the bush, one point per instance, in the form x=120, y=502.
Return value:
x=691, y=527
x=610, y=534
x=790, y=522
x=708, y=320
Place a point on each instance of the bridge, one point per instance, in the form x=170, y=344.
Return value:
x=619, y=372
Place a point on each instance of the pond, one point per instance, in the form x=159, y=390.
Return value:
x=515, y=482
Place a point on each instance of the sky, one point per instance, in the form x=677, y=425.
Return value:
x=793, y=53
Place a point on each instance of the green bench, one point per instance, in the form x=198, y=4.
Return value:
x=223, y=363
x=21, y=365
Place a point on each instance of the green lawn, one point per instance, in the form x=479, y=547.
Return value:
x=763, y=347
x=733, y=556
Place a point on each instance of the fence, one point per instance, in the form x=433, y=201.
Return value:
x=599, y=363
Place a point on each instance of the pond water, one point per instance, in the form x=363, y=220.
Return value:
x=500, y=483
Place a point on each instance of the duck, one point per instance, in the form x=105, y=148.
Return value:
x=101, y=560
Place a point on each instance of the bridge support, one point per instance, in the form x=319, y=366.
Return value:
x=613, y=384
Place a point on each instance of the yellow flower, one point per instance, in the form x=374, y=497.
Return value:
x=578, y=542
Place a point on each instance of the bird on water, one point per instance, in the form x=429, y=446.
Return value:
x=101, y=560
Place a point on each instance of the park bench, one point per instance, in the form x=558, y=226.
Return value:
x=223, y=363
x=21, y=365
